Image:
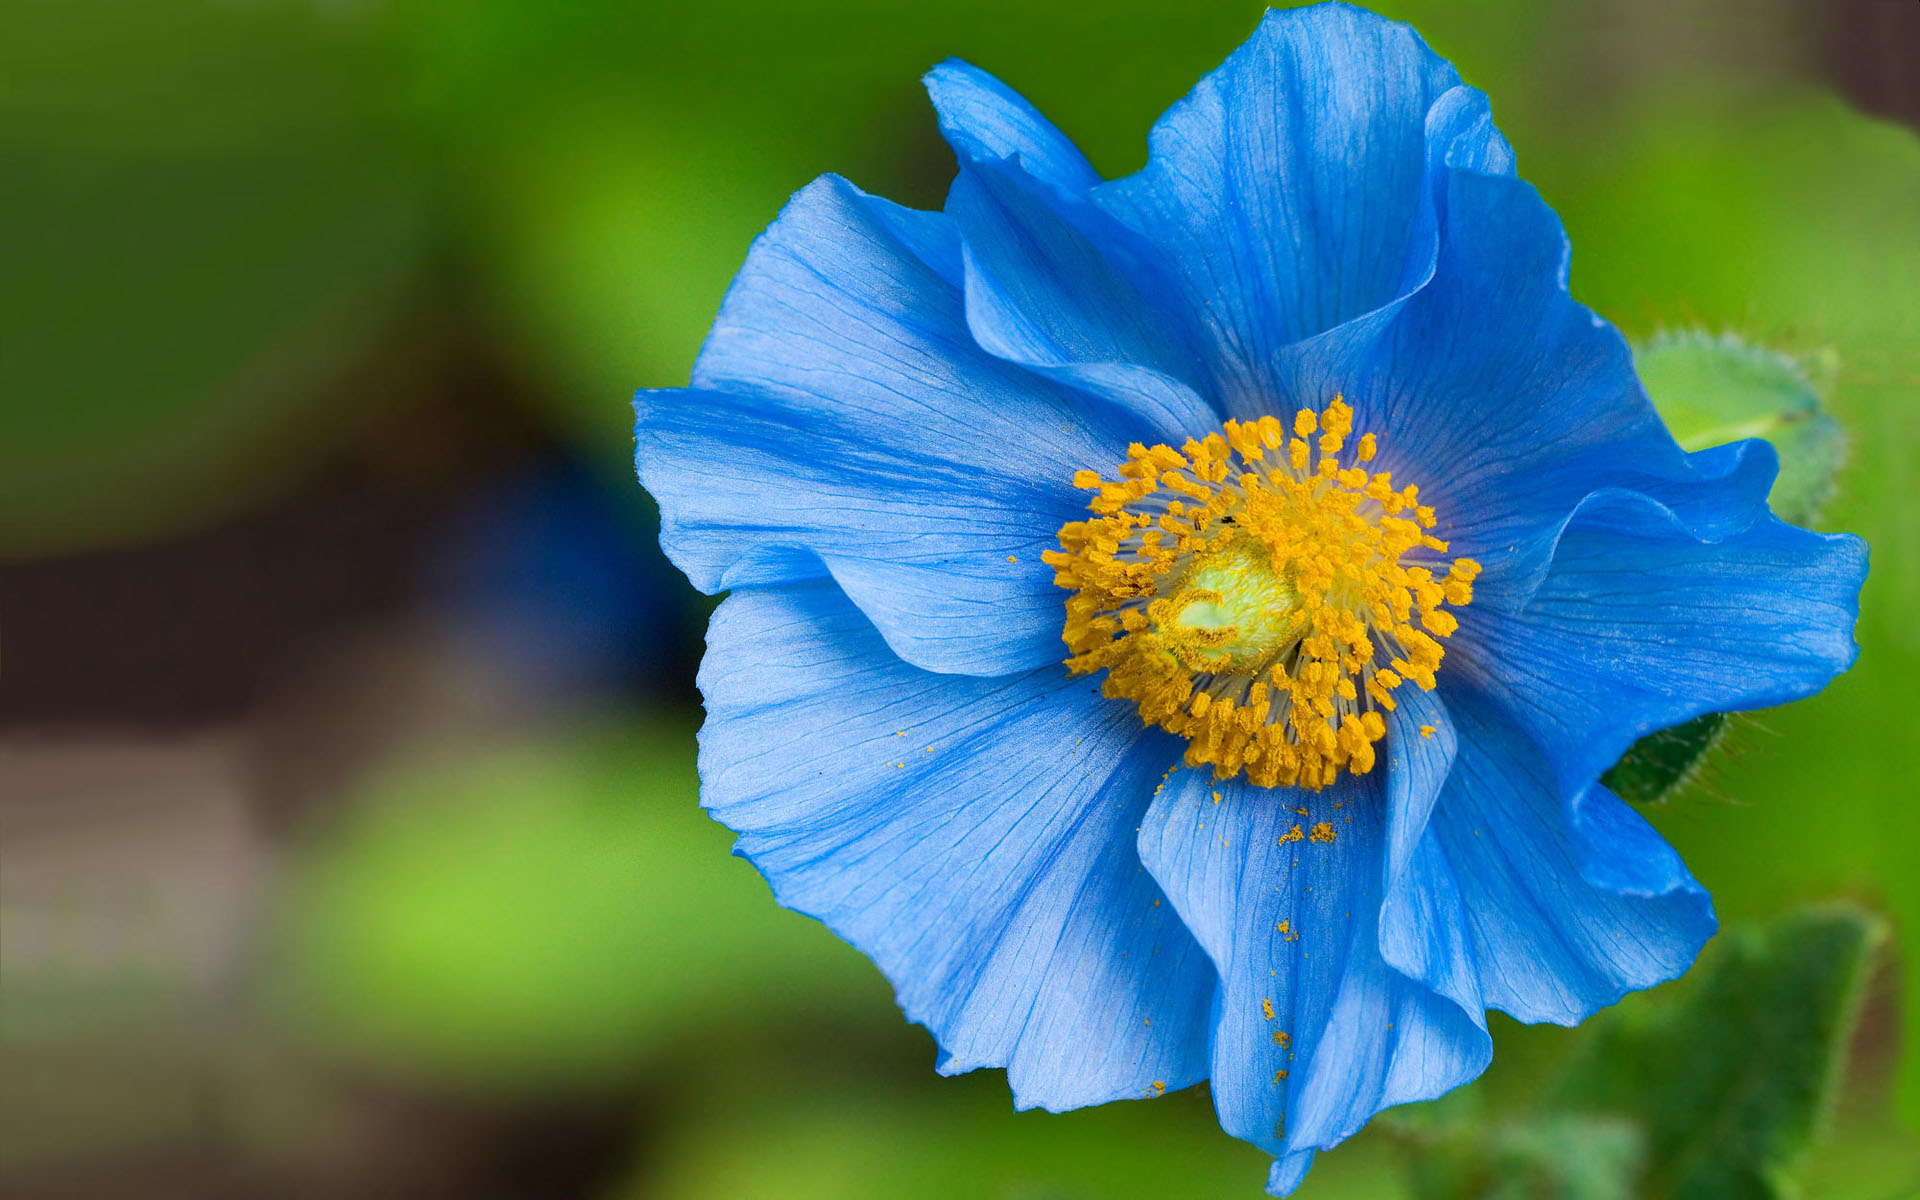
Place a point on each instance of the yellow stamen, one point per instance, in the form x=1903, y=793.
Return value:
x=1259, y=608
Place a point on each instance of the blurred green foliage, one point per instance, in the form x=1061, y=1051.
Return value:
x=553, y=914
x=1563, y=1157
x=1729, y=1084
x=210, y=220
x=1714, y=1089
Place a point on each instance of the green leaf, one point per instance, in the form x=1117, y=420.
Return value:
x=1658, y=764
x=1730, y=1083
x=1712, y=390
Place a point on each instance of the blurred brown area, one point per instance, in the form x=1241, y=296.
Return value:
x=1869, y=51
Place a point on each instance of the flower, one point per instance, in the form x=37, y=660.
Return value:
x=1368, y=552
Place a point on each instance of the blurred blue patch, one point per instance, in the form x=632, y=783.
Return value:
x=551, y=578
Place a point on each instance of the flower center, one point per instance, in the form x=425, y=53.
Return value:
x=1250, y=595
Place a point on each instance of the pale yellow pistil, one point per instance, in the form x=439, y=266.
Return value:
x=1251, y=596
x=1231, y=606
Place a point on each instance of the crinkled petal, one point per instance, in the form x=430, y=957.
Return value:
x=984, y=119
x=1288, y=1172
x=1388, y=1040
x=1511, y=420
x=1290, y=186
x=1642, y=621
x=1060, y=287
x=944, y=559
x=972, y=836
x=1461, y=136
x=1313, y=1031
x=1422, y=923
x=1563, y=917
x=1435, y=994
x=837, y=314
x=841, y=370
x=1420, y=746
x=1507, y=420
x=1423, y=928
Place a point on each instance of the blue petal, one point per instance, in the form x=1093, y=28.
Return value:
x=1388, y=1040
x=1289, y=1172
x=972, y=836
x=1424, y=933
x=1642, y=621
x=1509, y=418
x=1420, y=749
x=1461, y=136
x=1290, y=185
x=923, y=545
x=1422, y=922
x=840, y=368
x=838, y=315
x=984, y=119
x=1293, y=929
x=1060, y=287
x=1448, y=1043
x=1552, y=938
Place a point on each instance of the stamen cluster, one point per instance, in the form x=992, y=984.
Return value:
x=1247, y=591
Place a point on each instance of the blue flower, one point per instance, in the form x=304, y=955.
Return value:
x=1367, y=548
